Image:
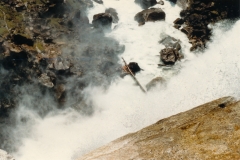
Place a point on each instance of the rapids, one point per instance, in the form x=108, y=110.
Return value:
x=122, y=108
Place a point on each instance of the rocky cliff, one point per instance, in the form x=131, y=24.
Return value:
x=197, y=15
x=207, y=132
x=48, y=48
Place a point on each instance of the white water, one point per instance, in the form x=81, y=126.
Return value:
x=123, y=108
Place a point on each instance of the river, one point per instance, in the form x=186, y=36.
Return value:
x=123, y=108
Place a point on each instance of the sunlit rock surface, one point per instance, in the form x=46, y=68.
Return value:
x=210, y=131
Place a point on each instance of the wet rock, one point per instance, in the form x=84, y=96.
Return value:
x=169, y=56
x=146, y=3
x=170, y=42
x=98, y=1
x=31, y=47
x=45, y=80
x=5, y=156
x=20, y=7
x=113, y=13
x=156, y=81
x=59, y=64
x=182, y=3
x=179, y=21
x=60, y=92
x=102, y=20
x=199, y=14
x=19, y=39
x=134, y=67
x=161, y=2
x=152, y=14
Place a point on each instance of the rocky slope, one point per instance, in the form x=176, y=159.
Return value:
x=197, y=15
x=48, y=48
x=42, y=43
x=210, y=131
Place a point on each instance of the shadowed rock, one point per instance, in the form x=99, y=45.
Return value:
x=102, y=20
x=169, y=56
x=98, y=1
x=113, y=13
x=146, y=3
x=155, y=82
x=199, y=14
x=152, y=14
x=170, y=42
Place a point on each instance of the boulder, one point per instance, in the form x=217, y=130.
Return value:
x=169, y=56
x=146, y=3
x=154, y=82
x=208, y=132
x=196, y=17
x=181, y=3
x=170, y=42
x=134, y=67
x=98, y=1
x=113, y=13
x=179, y=21
x=102, y=20
x=152, y=14
x=19, y=39
x=45, y=80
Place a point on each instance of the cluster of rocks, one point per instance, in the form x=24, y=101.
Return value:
x=152, y=15
x=49, y=47
x=198, y=15
x=40, y=43
x=172, y=52
x=104, y=20
x=30, y=45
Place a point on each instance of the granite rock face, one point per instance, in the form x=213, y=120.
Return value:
x=208, y=132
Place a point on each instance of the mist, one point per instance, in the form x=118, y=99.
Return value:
x=101, y=106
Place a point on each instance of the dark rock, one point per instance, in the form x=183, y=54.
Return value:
x=156, y=81
x=173, y=1
x=59, y=64
x=146, y=3
x=60, y=91
x=45, y=80
x=169, y=56
x=134, y=67
x=170, y=42
x=20, y=7
x=102, y=20
x=152, y=14
x=19, y=39
x=177, y=26
x=182, y=3
x=198, y=14
x=161, y=2
x=98, y=1
x=113, y=13
x=178, y=21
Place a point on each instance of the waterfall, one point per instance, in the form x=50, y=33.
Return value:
x=122, y=108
